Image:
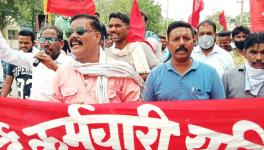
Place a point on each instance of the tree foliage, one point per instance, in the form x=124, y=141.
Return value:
x=8, y=12
x=156, y=23
x=214, y=17
x=23, y=12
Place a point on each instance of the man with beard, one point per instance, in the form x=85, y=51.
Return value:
x=51, y=43
x=239, y=34
x=23, y=76
x=182, y=78
x=247, y=80
x=210, y=53
x=91, y=78
x=138, y=54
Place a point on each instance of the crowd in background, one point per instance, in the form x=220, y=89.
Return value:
x=80, y=60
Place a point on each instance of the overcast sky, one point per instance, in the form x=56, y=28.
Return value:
x=181, y=9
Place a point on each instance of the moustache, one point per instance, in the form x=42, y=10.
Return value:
x=182, y=48
x=77, y=41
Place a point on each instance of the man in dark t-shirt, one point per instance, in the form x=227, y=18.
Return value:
x=22, y=76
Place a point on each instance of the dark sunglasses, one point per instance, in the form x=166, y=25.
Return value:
x=50, y=40
x=79, y=30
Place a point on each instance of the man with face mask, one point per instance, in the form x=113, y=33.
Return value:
x=208, y=52
x=239, y=34
x=51, y=43
x=247, y=80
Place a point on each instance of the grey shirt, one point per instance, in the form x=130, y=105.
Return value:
x=234, y=84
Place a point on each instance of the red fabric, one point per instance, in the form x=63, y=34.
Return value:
x=71, y=7
x=198, y=6
x=137, y=26
x=257, y=15
x=208, y=124
x=222, y=20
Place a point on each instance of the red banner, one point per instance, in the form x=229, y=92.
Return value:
x=223, y=124
x=222, y=20
x=71, y=7
x=198, y=6
x=257, y=15
x=137, y=27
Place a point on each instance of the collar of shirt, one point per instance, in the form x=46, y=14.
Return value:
x=195, y=65
x=216, y=49
x=61, y=59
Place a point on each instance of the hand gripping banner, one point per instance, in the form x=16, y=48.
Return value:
x=211, y=125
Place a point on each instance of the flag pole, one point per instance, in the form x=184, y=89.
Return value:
x=167, y=19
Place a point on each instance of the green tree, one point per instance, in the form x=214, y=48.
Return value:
x=245, y=21
x=28, y=11
x=215, y=18
x=23, y=12
x=8, y=12
x=105, y=7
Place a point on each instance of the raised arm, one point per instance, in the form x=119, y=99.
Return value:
x=15, y=57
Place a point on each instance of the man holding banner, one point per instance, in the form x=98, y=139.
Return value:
x=183, y=78
x=91, y=77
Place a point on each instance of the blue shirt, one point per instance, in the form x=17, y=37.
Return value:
x=200, y=82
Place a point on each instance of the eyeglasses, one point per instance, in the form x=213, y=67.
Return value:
x=50, y=40
x=79, y=30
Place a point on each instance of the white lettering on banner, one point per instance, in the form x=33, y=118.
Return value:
x=167, y=128
x=10, y=137
x=216, y=138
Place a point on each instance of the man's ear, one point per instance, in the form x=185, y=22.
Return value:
x=61, y=44
x=98, y=37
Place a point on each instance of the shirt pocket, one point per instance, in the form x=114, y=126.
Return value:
x=198, y=94
x=68, y=93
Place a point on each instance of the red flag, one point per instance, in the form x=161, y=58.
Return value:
x=137, y=26
x=257, y=15
x=222, y=20
x=198, y=6
x=70, y=7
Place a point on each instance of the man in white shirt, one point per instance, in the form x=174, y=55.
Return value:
x=208, y=52
x=51, y=40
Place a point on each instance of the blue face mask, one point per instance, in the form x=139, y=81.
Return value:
x=206, y=41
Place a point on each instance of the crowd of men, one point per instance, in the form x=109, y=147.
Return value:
x=81, y=62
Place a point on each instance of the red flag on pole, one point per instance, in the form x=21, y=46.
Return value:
x=257, y=15
x=70, y=7
x=198, y=6
x=222, y=20
x=136, y=31
x=137, y=27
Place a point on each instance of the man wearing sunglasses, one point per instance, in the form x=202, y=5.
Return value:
x=50, y=56
x=92, y=77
